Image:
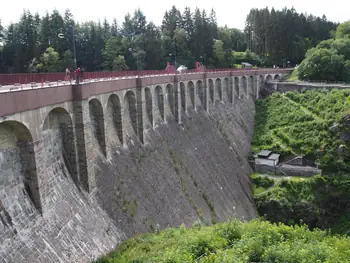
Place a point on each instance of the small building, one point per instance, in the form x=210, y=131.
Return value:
x=267, y=158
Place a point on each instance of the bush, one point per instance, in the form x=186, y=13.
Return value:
x=257, y=241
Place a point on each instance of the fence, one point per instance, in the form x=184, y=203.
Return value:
x=28, y=78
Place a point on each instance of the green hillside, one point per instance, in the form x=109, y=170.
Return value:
x=299, y=123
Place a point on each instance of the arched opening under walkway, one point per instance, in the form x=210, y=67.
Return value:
x=59, y=123
x=211, y=90
x=130, y=114
x=268, y=78
x=251, y=91
x=115, y=116
x=149, y=105
x=237, y=87
x=97, y=123
x=245, y=86
x=218, y=89
x=190, y=90
x=17, y=160
x=183, y=95
x=228, y=89
x=202, y=94
x=159, y=101
x=261, y=85
x=170, y=98
x=276, y=77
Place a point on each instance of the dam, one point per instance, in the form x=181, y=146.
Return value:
x=85, y=166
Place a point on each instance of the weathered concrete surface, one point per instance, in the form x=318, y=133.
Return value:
x=74, y=229
x=197, y=170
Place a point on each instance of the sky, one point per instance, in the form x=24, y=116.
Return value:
x=228, y=12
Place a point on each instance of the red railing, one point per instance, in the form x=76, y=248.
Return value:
x=28, y=78
x=25, y=78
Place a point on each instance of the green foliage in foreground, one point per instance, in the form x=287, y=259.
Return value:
x=234, y=242
x=321, y=202
x=299, y=123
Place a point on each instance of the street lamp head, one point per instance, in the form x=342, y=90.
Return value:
x=60, y=35
x=130, y=49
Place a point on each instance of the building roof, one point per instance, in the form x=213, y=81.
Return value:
x=264, y=153
x=274, y=156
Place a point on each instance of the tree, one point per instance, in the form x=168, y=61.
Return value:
x=119, y=63
x=112, y=51
x=343, y=30
x=67, y=60
x=219, y=54
x=322, y=64
x=274, y=35
x=50, y=61
x=1, y=31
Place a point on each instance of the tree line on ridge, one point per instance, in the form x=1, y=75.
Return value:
x=270, y=37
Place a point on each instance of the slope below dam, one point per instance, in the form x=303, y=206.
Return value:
x=78, y=176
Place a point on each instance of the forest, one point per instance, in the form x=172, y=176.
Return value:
x=45, y=44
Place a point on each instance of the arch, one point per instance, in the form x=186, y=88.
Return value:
x=190, y=92
x=114, y=111
x=60, y=124
x=245, y=86
x=159, y=101
x=130, y=113
x=218, y=88
x=97, y=123
x=228, y=88
x=268, y=78
x=170, y=98
x=211, y=90
x=237, y=87
x=251, y=86
x=202, y=94
x=149, y=105
x=17, y=160
x=276, y=77
x=183, y=96
x=261, y=80
x=260, y=85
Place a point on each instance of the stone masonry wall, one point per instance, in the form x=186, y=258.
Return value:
x=194, y=171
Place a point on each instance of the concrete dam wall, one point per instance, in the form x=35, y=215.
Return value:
x=94, y=164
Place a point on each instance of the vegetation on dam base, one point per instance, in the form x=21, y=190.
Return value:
x=299, y=124
x=319, y=202
x=234, y=242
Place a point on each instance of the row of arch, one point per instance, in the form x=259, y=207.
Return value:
x=124, y=118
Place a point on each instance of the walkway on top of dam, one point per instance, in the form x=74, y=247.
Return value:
x=18, y=82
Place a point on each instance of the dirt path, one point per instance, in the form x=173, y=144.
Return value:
x=316, y=117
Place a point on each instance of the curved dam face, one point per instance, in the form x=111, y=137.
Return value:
x=197, y=170
x=81, y=174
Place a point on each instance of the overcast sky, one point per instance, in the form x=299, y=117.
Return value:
x=229, y=12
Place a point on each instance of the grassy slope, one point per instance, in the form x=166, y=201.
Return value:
x=256, y=241
x=295, y=123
